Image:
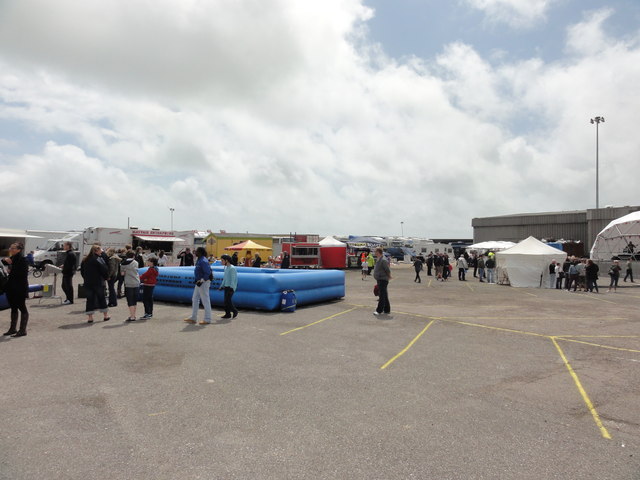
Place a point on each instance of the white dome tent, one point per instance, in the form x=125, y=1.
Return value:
x=620, y=238
x=527, y=263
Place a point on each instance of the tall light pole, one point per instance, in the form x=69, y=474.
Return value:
x=402, y=228
x=597, y=121
x=172, y=210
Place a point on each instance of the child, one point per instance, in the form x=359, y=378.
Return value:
x=149, y=280
x=365, y=268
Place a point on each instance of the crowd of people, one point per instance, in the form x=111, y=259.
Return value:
x=118, y=273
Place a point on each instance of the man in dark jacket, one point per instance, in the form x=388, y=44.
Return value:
x=17, y=289
x=382, y=274
x=257, y=261
x=69, y=268
x=186, y=258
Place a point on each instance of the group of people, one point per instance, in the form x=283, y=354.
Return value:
x=113, y=270
x=483, y=266
x=582, y=274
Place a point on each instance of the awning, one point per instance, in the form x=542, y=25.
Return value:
x=158, y=238
x=17, y=235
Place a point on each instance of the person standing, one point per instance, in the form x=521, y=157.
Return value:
x=429, y=264
x=614, y=273
x=285, y=260
x=573, y=277
x=480, y=263
x=438, y=262
x=17, y=289
x=629, y=273
x=552, y=274
x=248, y=259
x=69, y=268
x=462, y=268
x=473, y=262
x=382, y=275
x=95, y=272
x=591, y=273
x=417, y=265
x=371, y=261
x=162, y=259
x=490, y=265
x=257, y=261
x=129, y=269
x=114, y=268
x=234, y=259
x=203, y=276
x=365, y=269
x=186, y=258
x=149, y=280
x=229, y=285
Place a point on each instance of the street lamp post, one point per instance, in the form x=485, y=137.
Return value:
x=597, y=121
x=172, y=210
x=402, y=228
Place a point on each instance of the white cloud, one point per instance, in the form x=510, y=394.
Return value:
x=515, y=13
x=299, y=125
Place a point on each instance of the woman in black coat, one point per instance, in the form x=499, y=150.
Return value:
x=17, y=290
x=94, y=272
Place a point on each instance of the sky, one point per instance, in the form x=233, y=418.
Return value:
x=364, y=117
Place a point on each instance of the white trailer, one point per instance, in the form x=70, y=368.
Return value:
x=117, y=238
x=53, y=250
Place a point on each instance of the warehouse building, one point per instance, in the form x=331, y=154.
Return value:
x=578, y=225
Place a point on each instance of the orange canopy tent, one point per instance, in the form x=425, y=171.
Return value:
x=247, y=245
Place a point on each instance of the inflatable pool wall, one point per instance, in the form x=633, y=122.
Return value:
x=259, y=288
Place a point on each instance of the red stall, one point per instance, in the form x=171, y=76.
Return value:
x=333, y=253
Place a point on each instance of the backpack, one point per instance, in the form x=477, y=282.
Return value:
x=4, y=279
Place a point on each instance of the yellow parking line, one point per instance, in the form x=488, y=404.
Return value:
x=405, y=349
x=469, y=287
x=585, y=397
x=598, y=336
x=319, y=321
x=522, y=332
x=598, y=345
x=594, y=297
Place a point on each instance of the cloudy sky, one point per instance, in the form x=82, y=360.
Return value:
x=331, y=117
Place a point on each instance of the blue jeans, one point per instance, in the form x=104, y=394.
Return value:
x=490, y=275
x=201, y=294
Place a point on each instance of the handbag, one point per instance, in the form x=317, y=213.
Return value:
x=376, y=290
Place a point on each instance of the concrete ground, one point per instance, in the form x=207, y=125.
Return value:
x=464, y=380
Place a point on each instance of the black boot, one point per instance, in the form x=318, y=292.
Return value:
x=24, y=319
x=14, y=323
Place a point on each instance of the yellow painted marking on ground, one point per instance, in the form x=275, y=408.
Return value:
x=156, y=414
x=599, y=345
x=429, y=283
x=582, y=391
x=595, y=297
x=405, y=349
x=319, y=321
x=598, y=336
x=527, y=293
x=522, y=332
x=469, y=287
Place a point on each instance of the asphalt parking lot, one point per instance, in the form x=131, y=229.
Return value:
x=462, y=381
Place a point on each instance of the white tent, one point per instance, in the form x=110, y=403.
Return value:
x=491, y=245
x=620, y=238
x=527, y=263
x=331, y=242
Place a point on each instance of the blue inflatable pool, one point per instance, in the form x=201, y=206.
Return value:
x=259, y=288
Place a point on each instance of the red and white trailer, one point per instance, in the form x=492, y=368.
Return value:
x=303, y=254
